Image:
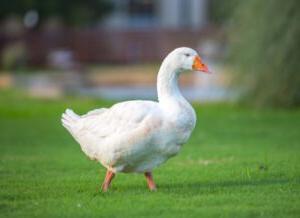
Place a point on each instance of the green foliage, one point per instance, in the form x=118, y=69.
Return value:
x=220, y=11
x=238, y=163
x=13, y=56
x=74, y=12
x=265, y=45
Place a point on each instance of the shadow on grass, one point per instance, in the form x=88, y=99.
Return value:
x=199, y=187
x=195, y=188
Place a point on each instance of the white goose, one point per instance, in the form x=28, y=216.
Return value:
x=137, y=136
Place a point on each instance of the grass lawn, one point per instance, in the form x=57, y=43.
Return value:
x=239, y=162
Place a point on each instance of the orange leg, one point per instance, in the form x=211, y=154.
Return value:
x=150, y=181
x=108, y=178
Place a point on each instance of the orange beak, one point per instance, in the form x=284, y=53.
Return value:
x=199, y=66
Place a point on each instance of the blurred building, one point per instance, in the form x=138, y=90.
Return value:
x=130, y=14
x=135, y=31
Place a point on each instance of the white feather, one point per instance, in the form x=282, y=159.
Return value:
x=137, y=136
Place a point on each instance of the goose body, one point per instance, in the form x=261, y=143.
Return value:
x=137, y=136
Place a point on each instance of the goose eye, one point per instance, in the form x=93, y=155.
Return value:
x=187, y=55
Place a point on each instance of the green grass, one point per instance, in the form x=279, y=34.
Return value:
x=239, y=162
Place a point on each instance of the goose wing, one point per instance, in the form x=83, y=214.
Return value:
x=125, y=122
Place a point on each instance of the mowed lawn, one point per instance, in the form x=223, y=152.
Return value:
x=239, y=162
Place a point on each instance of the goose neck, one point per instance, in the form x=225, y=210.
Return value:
x=167, y=83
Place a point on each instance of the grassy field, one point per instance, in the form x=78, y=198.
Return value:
x=239, y=162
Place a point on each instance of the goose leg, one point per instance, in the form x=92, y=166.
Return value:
x=150, y=181
x=108, y=178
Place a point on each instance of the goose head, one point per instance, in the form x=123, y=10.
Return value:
x=186, y=59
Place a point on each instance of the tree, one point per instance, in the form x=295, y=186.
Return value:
x=265, y=49
x=72, y=12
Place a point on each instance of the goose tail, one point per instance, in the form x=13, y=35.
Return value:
x=70, y=120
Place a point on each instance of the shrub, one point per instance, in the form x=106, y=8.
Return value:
x=265, y=46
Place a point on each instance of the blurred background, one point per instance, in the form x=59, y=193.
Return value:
x=243, y=157
x=113, y=48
